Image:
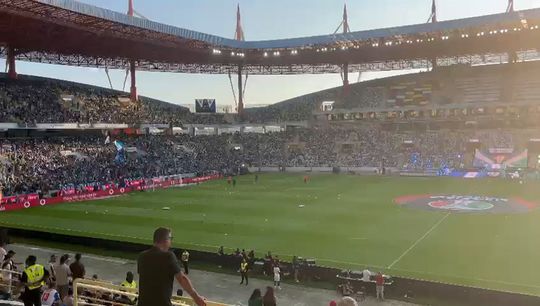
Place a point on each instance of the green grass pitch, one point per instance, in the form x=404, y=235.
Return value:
x=347, y=222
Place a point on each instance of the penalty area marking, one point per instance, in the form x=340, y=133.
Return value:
x=419, y=240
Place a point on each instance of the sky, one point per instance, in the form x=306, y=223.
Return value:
x=262, y=19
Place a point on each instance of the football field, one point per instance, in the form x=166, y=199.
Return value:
x=486, y=238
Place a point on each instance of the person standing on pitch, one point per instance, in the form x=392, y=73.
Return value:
x=185, y=260
x=33, y=277
x=379, y=283
x=277, y=276
x=244, y=271
x=157, y=268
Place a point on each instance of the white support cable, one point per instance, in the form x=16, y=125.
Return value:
x=139, y=15
x=109, y=77
x=232, y=88
x=245, y=85
x=125, y=80
x=339, y=27
x=510, y=7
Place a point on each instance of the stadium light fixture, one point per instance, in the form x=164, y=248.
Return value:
x=216, y=51
x=276, y=53
x=294, y=52
x=265, y=54
x=233, y=54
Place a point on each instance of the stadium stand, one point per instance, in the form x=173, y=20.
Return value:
x=31, y=100
x=81, y=160
x=78, y=163
x=505, y=84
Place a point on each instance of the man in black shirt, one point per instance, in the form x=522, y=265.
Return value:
x=158, y=267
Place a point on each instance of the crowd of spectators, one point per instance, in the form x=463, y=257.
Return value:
x=30, y=100
x=47, y=164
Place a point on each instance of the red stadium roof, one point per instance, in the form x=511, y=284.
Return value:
x=71, y=33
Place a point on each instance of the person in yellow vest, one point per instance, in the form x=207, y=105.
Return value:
x=129, y=283
x=33, y=277
x=244, y=271
x=185, y=259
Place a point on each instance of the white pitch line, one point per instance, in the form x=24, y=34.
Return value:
x=419, y=240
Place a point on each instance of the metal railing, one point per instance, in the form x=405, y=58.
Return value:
x=96, y=293
x=9, y=280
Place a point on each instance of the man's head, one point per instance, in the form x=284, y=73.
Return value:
x=64, y=259
x=78, y=257
x=10, y=254
x=53, y=258
x=129, y=277
x=163, y=238
x=30, y=260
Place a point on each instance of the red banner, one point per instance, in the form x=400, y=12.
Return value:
x=33, y=200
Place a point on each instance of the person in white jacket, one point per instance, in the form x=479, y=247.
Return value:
x=277, y=276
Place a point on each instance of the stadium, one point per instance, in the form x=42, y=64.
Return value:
x=425, y=184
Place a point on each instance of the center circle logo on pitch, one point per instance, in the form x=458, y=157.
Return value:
x=466, y=203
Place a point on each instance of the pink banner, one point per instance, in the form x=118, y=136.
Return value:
x=33, y=200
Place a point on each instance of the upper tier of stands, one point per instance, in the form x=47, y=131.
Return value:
x=32, y=100
x=507, y=83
